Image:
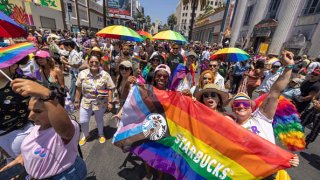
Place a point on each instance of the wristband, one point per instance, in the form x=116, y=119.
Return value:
x=290, y=67
x=53, y=95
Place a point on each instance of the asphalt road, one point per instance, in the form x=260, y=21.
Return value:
x=107, y=162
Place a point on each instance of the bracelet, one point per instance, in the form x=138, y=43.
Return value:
x=290, y=67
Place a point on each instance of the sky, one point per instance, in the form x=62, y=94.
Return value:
x=159, y=9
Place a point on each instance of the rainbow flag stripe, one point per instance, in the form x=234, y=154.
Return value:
x=198, y=144
x=14, y=53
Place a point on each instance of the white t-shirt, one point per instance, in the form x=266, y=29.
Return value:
x=205, y=55
x=219, y=81
x=260, y=125
x=312, y=67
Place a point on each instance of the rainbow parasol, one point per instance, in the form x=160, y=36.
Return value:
x=10, y=28
x=14, y=53
x=120, y=32
x=170, y=36
x=144, y=34
x=231, y=55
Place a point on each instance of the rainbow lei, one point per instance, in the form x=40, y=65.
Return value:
x=286, y=124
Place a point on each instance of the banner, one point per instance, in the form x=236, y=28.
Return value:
x=53, y=4
x=188, y=140
x=18, y=10
x=119, y=7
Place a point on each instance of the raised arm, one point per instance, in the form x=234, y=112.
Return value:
x=57, y=115
x=269, y=105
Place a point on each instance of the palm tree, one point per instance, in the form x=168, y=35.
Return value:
x=172, y=21
x=194, y=6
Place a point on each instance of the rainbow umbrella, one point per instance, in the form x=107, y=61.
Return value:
x=10, y=28
x=170, y=36
x=120, y=32
x=144, y=34
x=231, y=55
x=14, y=53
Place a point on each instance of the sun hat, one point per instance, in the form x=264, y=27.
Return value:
x=212, y=88
x=240, y=96
x=126, y=64
x=163, y=67
x=42, y=54
x=192, y=53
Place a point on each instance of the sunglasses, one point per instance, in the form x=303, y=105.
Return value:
x=245, y=104
x=174, y=48
x=207, y=78
x=94, y=62
x=275, y=66
x=121, y=68
x=213, y=65
x=207, y=95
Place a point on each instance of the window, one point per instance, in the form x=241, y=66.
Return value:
x=216, y=3
x=211, y=2
x=273, y=9
x=248, y=15
x=48, y=22
x=311, y=7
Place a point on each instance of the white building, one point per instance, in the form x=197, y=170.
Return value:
x=280, y=24
x=183, y=14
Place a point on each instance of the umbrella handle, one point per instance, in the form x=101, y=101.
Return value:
x=5, y=75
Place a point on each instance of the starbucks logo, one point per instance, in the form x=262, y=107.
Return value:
x=155, y=127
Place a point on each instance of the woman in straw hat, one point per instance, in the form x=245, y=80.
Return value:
x=213, y=97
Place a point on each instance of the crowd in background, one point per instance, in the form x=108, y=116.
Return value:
x=102, y=72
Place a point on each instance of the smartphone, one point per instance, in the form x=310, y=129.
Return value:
x=13, y=172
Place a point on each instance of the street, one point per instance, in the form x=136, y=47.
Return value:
x=108, y=162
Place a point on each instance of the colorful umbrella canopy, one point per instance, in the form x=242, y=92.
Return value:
x=144, y=34
x=14, y=53
x=10, y=28
x=170, y=36
x=231, y=55
x=120, y=32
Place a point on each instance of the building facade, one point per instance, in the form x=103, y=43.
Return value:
x=278, y=24
x=35, y=14
x=207, y=29
x=183, y=14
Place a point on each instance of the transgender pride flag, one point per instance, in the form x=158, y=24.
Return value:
x=188, y=140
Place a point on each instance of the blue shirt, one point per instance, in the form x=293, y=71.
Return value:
x=239, y=69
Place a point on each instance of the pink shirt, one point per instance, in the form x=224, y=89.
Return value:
x=46, y=155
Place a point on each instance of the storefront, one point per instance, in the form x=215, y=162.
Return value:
x=207, y=28
x=262, y=33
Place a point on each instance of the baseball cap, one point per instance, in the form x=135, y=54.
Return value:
x=316, y=71
x=42, y=54
x=163, y=67
x=126, y=64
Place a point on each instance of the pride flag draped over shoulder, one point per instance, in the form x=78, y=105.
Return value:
x=186, y=139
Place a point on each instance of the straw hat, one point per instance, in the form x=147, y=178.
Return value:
x=212, y=88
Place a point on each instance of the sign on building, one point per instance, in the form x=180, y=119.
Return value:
x=120, y=7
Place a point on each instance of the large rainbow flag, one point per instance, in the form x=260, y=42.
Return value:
x=186, y=139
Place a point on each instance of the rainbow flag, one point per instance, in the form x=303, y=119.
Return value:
x=136, y=59
x=188, y=140
x=178, y=75
x=286, y=124
x=14, y=53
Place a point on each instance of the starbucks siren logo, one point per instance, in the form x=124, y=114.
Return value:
x=155, y=127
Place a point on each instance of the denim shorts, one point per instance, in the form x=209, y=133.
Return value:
x=78, y=171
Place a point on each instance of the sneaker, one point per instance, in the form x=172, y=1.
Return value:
x=82, y=141
x=102, y=139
